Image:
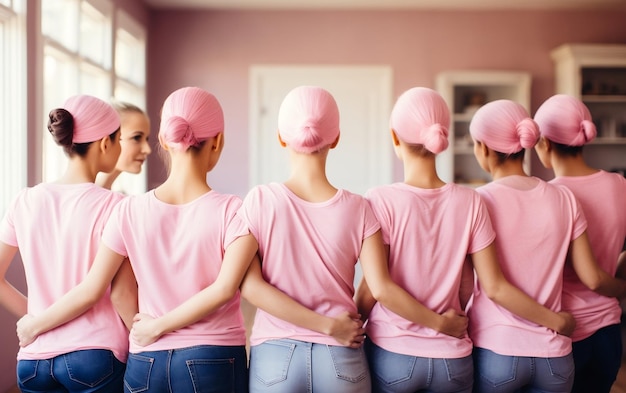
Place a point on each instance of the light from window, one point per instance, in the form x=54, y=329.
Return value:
x=59, y=22
x=12, y=101
x=95, y=35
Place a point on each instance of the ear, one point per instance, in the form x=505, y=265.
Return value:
x=547, y=143
x=105, y=144
x=484, y=149
x=219, y=141
x=334, y=144
x=280, y=140
x=394, y=138
x=164, y=145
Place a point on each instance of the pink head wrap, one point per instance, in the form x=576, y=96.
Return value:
x=308, y=119
x=190, y=116
x=421, y=116
x=93, y=118
x=504, y=126
x=566, y=120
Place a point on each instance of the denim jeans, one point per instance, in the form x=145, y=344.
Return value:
x=598, y=359
x=88, y=371
x=291, y=366
x=198, y=369
x=398, y=373
x=499, y=373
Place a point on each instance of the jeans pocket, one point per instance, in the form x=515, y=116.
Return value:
x=212, y=375
x=561, y=367
x=89, y=367
x=350, y=363
x=269, y=362
x=388, y=367
x=460, y=371
x=26, y=370
x=138, y=370
x=495, y=369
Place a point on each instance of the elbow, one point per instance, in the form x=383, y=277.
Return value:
x=494, y=292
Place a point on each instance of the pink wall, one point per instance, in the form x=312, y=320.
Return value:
x=214, y=50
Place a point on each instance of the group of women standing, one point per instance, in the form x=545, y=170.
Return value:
x=462, y=289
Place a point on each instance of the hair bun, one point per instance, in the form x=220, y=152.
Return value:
x=61, y=126
x=436, y=138
x=180, y=134
x=588, y=129
x=528, y=133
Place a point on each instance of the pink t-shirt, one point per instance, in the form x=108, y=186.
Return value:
x=430, y=232
x=57, y=228
x=308, y=251
x=534, y=228
x=176, y=251
x=602, y=197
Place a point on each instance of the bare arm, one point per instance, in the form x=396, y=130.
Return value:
x=399, y=301
x=365, y=301
x=621, y=266
x=10, y=298
x=590, y=273
x=237, y=257
x=124, y=293
x=502, y=292
x=76, y=301
x=467, y=282
x=346, y=328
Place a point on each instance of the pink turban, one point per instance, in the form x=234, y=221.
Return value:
x=421, y=116
x=93, y=118
x=504, y=126
x=190, y=116
x=308, y=119
x=566, y=120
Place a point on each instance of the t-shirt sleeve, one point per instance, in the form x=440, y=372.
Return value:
x=247, y=212
x=370, y=223
x=580, y=221
x=8, y=234
x=112, y=234
x=235, y=226
x=376, y=203
x=483, y=233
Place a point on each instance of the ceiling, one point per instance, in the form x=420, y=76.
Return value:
x=388, y=4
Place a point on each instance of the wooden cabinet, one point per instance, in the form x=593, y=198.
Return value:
x=596, y=73
x=465, y=92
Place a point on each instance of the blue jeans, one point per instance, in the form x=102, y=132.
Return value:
x=598, y=359
x=199, y=369
x=398, y=373
x=87, y=371
x=291, y=366
x=499, y=373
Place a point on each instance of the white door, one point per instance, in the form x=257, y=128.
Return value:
x=363, y=158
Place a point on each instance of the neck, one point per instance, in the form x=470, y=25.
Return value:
x=79, y=170
x=186, y=180
x=508, y=168
x=105, y=180
x=421, y=171
x=571, y=166
x=308, y=178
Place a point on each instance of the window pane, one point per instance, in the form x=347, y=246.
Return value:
x=95, y=35
x=95, y=82
x=59, y=21
x=130, y=57
x=12, y=101
x=60, y=83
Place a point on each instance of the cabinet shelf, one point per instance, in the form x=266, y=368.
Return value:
x=465, y=92
x=596, y=73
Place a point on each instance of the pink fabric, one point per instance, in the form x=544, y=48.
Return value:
x=429, y=232
x=566, y=120
x=93, y=118
x=504, y=126
x=601, y=197
x=308, y=119
x=190, y=115
x=534, y=229
x=308, y=251
x=421, y=116
x=176, y=251
x=57, y=228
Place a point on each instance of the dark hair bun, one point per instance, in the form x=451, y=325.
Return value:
x=61, y=126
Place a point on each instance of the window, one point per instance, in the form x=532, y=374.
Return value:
x=12, y=100
x=81, y=40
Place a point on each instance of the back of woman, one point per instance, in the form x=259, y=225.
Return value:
x=535, y=223
x=180, y=256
